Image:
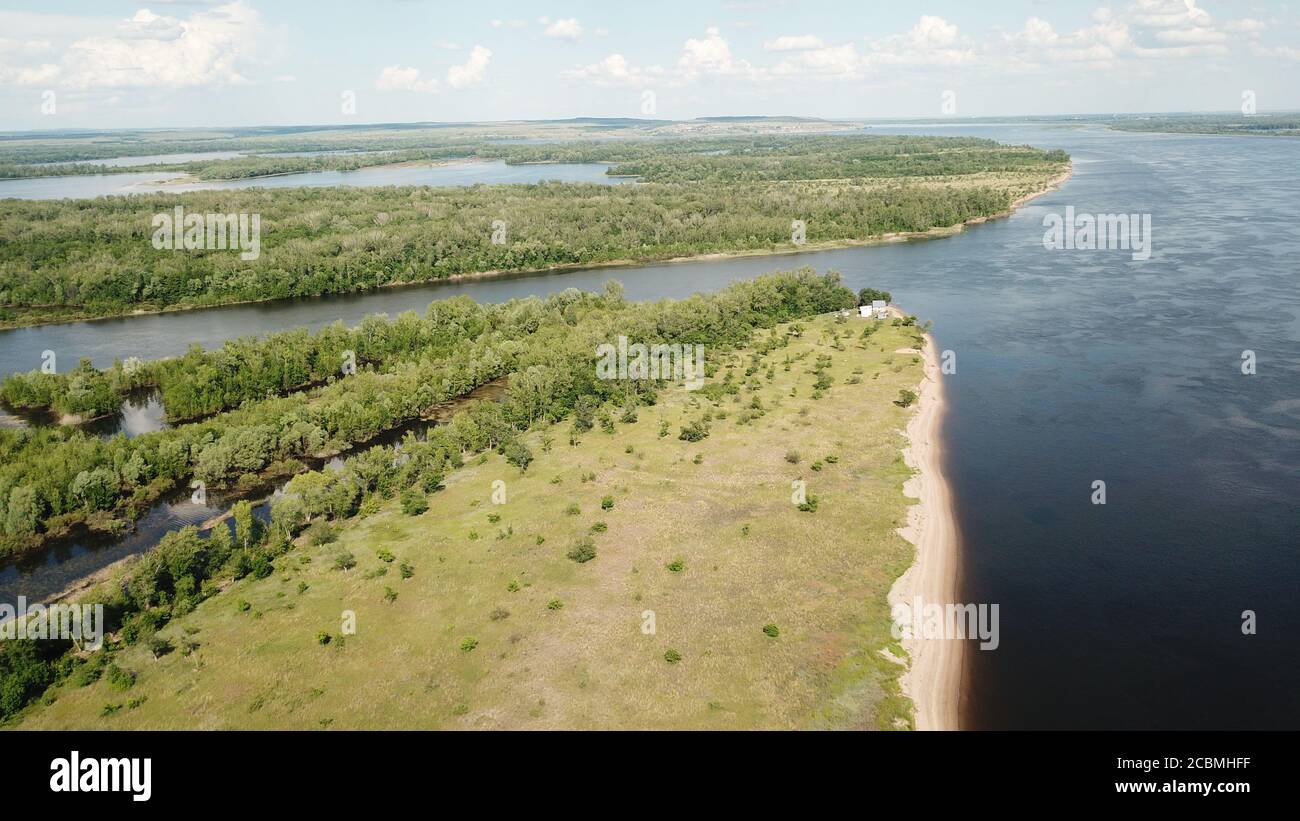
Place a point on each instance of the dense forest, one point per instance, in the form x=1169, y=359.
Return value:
x=54, y=478
x=552, y=377
x=95, y=257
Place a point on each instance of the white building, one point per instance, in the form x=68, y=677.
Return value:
x=880, y=309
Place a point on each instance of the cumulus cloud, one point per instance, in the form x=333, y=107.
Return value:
x=210, y=47
x=795, y=42
x=473, y=72
x=404, y=78
x=567, y=29
x=407, y=78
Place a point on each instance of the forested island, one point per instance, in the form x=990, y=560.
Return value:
x=74, y=259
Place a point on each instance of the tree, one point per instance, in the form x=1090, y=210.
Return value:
x=868, y=295
x=23, y=514
x=518, y=454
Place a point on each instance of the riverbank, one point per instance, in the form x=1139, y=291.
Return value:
x=19, y=321
x=933, y=680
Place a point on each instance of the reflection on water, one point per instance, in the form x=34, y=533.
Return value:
x=140, y=412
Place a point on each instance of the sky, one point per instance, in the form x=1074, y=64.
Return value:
x=190, y=63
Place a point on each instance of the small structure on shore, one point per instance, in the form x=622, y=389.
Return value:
x=878, y=309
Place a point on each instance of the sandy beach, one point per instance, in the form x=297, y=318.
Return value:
x=933, y=681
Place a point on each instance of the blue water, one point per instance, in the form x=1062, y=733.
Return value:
x=466, y=173
x=1072, y=367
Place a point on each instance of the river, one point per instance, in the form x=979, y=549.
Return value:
x=451, y=174
x=1073, y=366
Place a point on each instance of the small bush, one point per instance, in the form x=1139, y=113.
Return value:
x=119, y=679
x=906, y=398
x=607, y=503
x=792, y=456
x=406, y=571
x=323, y=638
x=599, y=527
x=468, y=644
x=572, y=510
x=385, y=555
x=345, y=561
x=676, y=565
x=414, y=502
x=554, y=604
x=583, y=550
x=672, y=656
x=771, y=630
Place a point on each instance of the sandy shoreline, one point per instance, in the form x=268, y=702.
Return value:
x=933, y=680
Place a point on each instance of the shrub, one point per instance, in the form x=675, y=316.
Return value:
x=498, y=614
x=321, y=533
x=554, y=604
x=385, y=555
x=513, y=587
x=345, y=561
x=607, y=503
x=572, y=509
x=414, y=502
x=583, y=550
x=676, y=565
x=672, y=656
x=323, y=638
x=694, y=431
x=905, y=398
x=792, y=456
x=160, y=647
x=809, y=505
x=119, y=679
x=599, y=527
x=468, y=644
x=406, y=571
x=771, y=630
x=390, y=595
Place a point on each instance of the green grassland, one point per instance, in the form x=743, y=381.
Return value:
x=496, y=628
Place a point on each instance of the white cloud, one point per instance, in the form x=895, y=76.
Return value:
x=933, y=41
x=473, y=72
x=614, y=71
x=407, y=78
x=402, y=78
x=794, y=42
x=567, y=29
x=208, y=48
x=710, y=56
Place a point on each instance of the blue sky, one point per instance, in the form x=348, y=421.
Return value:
x=253, y=62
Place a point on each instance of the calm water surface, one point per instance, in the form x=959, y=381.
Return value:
x=1072, y=366
x=468, y=173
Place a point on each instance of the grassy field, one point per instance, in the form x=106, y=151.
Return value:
x=496, y=628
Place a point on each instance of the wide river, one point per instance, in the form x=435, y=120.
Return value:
x=1072, y=367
